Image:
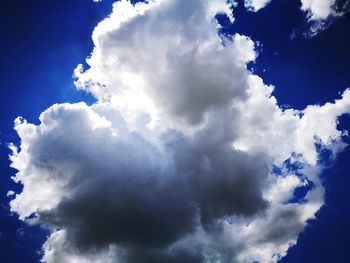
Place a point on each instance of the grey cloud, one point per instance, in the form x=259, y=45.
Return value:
x=121, y=193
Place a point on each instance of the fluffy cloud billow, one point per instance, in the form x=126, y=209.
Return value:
x=185, y=156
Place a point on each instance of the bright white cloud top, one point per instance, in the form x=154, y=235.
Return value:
x=185, y=157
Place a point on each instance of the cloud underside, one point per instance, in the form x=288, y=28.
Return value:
x=186, y=155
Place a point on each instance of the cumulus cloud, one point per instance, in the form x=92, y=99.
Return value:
x=185, y=157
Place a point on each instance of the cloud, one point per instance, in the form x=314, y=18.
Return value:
x=318, y=9
x=159, y=70
x=256, y=5
x=320, y=13
x=185, y=157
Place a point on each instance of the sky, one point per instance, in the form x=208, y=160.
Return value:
x=174, y=131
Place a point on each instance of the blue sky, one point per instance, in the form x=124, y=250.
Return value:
x=44, y=41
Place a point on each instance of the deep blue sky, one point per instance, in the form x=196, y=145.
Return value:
x=43, y=41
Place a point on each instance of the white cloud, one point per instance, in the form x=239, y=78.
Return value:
x=256, y=5
x=57, y=250
x=261, y=113
x=139, y=87
x=174, y=162
x=318, y=9
x=320, y=13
